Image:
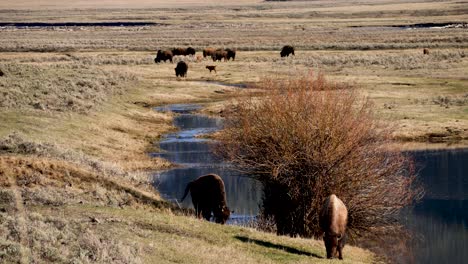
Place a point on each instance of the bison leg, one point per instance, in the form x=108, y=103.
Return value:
x=341, y=245
x=328, y=247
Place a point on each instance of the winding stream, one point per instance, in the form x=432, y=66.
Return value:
x=195, y=159
x=439, y=221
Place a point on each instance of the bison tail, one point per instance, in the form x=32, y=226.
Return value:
x=187, y=189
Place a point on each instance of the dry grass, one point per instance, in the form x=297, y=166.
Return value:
x=72, y=214
x=102, y=127
x=259, y=26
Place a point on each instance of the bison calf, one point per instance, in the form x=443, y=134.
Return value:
x=333, y=220
x=181, y=69
x=211, y=68
x=286, y=50
x=208, y=195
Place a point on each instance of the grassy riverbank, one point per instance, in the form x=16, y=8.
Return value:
x=74, y=181
x=76, y=122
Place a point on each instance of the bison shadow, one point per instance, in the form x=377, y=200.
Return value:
x=276, y=246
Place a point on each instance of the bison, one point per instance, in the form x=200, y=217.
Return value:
x=208, y=195
x=179, y=51
x=426, y=51
x=208, y=52
x=190, y=51
x=211, y=68
x=287, y=50
x=231, y=53
x=219, y=54
x=163, y=56
x=333, y=220
x=181, y=69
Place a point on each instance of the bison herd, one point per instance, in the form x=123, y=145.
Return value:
x=209, y=198
x=215, y=54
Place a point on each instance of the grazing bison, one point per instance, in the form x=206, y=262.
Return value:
x=208, y=196
x=219, y=55
x=190, y=51
x=163, y=56
x=231, y=53
x=181, y=69
x=287, y=50
x=426, y=51
x=333, y=219
x=179, y=51
x=208, y=52
x=211, y=68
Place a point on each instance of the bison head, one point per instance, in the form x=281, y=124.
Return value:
x=332, y=242
x=223, y=216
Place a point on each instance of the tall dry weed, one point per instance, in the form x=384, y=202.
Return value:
x=308, y=138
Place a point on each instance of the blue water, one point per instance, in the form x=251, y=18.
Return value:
x=194, y=155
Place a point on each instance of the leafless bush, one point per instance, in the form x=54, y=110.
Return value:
x=309, y=138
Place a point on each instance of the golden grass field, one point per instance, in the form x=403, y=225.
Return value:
x=76, y=122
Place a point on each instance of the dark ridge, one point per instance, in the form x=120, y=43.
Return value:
x=424, y=25
x=79, y=24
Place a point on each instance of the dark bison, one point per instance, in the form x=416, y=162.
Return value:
x=287, y=50
x=231, y=53
x=183, y=51
x=208, y=52
x=190, y=51
x=219, y=54
x=179, y=51
x=211, y=68
x=163, y=55
x=208, y=196
x=333, y=220
x=181, y=69
x=426, y=51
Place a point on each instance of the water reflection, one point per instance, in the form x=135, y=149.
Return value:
x=439, y=223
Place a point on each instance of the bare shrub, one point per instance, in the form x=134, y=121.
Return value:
x=308, y=138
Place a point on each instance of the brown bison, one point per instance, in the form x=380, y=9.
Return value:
x=179, y=51
x=163, y=56
x=231, y=53
x=208, y=52
x=219, y=54
x=286, y=51
x=426, y=51
x=181, y=69
x=208, y=195
x=333, y=220
x=211, y=68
